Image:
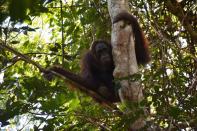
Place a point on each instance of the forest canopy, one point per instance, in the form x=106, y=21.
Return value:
x=55, y=32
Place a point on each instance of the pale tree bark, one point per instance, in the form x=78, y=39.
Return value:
x=122, y=40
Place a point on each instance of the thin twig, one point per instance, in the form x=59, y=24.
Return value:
x=62, y=31
x=24, y=57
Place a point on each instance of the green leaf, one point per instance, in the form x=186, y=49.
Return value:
x=174, y=112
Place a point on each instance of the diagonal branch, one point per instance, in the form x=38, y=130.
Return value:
x=82, y=88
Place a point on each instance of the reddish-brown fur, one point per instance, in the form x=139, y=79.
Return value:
x=141, y=43
x=100, y=77
x=94, y=76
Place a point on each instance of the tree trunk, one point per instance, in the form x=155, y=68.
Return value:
x=122, y=40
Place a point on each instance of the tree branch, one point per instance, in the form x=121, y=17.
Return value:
x=91, y=93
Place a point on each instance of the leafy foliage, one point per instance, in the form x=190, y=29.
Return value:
x=34, y=28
